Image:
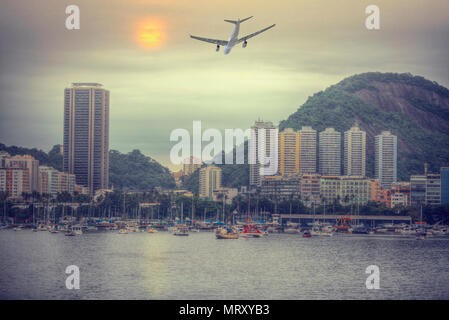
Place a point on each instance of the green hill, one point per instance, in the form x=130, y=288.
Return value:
x=135, y=171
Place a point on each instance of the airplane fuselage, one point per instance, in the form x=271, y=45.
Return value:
x=233, y=39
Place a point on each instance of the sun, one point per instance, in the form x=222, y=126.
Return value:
x=150, y=34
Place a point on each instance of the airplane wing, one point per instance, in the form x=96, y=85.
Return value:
x=255, y=33
x=219, y=42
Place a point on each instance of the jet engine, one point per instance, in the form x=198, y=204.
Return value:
x=244, y=44
x=218, y=47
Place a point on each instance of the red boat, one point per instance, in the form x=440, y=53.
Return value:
x=306, y=234
x=251, y=231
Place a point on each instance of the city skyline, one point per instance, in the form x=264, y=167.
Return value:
x=266, y=86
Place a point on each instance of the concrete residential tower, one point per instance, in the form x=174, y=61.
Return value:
x=288, y=152
x=263, y=142
x=307, y=150
x=386, y=157
x=355, y=152
x=210, y=180
x=86, y=134
x=330, y=152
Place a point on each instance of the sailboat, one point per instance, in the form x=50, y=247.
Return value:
x=181, y=230
x=421, y=234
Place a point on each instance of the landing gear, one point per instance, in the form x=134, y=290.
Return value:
x=244, y=44
x=218, y=47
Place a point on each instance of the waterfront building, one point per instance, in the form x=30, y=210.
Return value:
x=48, y=180
x=263, y=142
x=417, y=190
x=375, y=190
x=444, y=174
x=355, y=152
x=402, y=187
x=66, y=182
x=210, y=180
x=346, y=189
x=281, y=187
x=385, y=162
x=311, y=189
x=433, y=189
x=398, y=199
x=15, y=181
x=329, y=154
x=25, y=162
x=307, y=150
x=226, y=194
x=289, y=152
x=86, y=135
x=190, y=165
x=18, y=174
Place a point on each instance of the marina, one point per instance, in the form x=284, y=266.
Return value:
x=143, y=265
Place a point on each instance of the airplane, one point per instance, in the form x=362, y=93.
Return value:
x=233, y=39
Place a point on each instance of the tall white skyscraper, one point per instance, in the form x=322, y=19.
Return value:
x=386, y=157
x=330, y=152
x=355, y=152
x=307, y=150
x=263, y=147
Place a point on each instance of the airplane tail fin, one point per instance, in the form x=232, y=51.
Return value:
x=238, y=21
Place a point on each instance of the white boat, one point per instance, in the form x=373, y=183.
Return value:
x=53, y=230
x=181, y=232
x=76, y=230
x=41, y=228
x=123, y=231
x=327, y=231
x=291, y=230
x=18, y=228
x=408, y=231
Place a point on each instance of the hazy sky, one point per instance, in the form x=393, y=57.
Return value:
x=315, y=43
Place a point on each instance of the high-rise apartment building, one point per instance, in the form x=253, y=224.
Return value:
x=86, y=134
x=418, y=190
x=444, y=173
x=25, y=162
x=355, y=152
x=18, y=174
x=263, y=147
x=15, y=181
x=433, y=189
x=307, y=150
x=386, y=156
x=288, y=152
x=210, y=180
x=329, y=152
